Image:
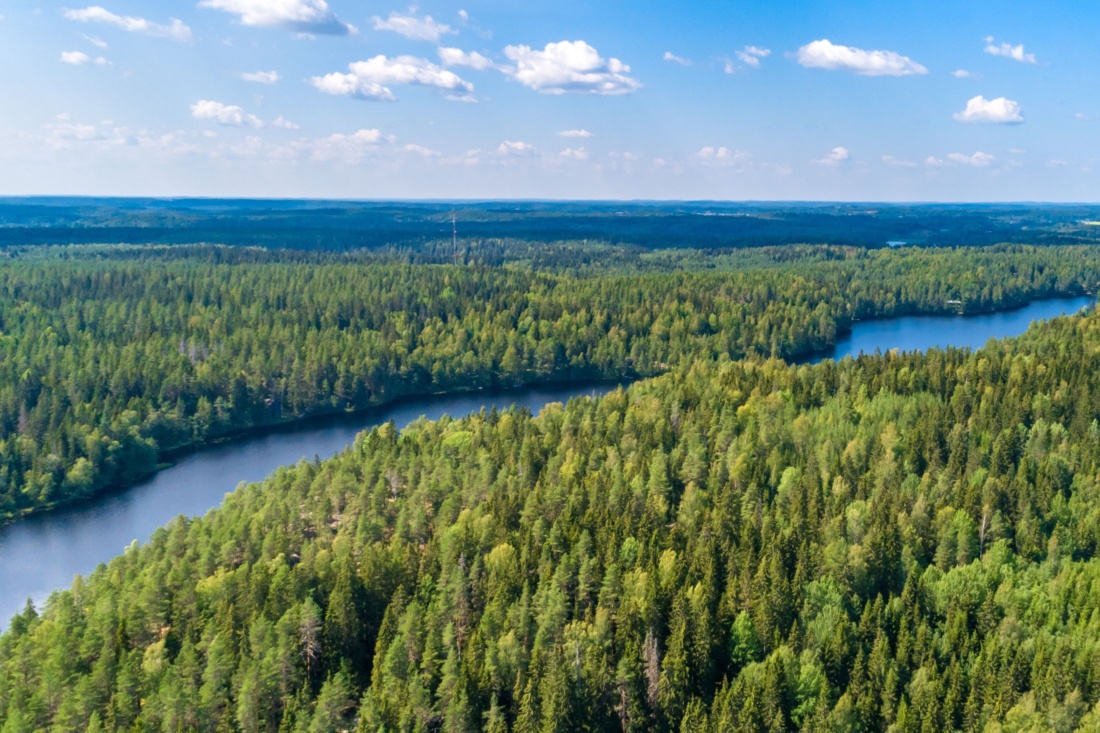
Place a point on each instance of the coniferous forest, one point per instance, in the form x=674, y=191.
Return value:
x=736, y=542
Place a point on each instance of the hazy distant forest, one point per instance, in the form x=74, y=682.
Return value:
x=737, y=542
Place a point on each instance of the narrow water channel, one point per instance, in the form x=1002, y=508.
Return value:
x=43, y=553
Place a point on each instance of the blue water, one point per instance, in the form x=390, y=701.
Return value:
x=918, y=333
x=44, y=552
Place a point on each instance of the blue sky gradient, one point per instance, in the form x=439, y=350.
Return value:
x=900, y=101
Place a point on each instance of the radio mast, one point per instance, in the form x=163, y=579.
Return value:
x=454, y=235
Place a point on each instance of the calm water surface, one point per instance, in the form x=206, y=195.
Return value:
x=44, y=552
x=917, y=333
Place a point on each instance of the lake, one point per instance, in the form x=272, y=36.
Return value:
x=918, y=333
x=43, y=552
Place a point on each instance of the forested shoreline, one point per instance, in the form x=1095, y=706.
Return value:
x=895, y=542
x=114, y=358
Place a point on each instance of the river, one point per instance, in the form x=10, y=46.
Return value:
x=44, y=552
x=917, y=333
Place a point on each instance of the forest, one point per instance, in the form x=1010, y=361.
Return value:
x=736, y=542
x=318, y=225
x=114, y=359
x=895, y=542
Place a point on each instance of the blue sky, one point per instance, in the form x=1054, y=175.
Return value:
x=908, y=101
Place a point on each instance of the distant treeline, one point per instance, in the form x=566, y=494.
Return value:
x=346, y=225
x=112, y=357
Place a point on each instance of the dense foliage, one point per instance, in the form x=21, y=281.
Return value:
x=903, y=543
x=349, y=225
x=113, y=358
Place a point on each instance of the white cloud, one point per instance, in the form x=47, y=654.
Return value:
x=976, y=160
x=370, y=79
x=458, y=57
x=303, y=16
x=463, y=15
x=899, y=162
x=835, y=157
x=79, y=58
x=569, y=66
x=261, y=77
x=751, y=55
x=346, y=148
x=824, y=54
x=728, y=66
x=65, y=135
x=95, y=41
x=421, y=151
x=224, y=114
x=75, y=57
x=670, y=56
x=999, y=111
x=64, y=131
x=1016, y=53
x=575, y=133
x=962, y=74
x=1081, y=116
x=517, y=148
x=412, y=27
x=176, y=30
x=723, y=154
x=574, y=154
x=285, y=124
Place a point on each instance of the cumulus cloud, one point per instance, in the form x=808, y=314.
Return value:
x=835, y=157
x=574, y=154
x=303, y=16
x=224, y=114
x=370, y=79
x=412, y=27
x=670, y=56
x=569, y=66
x=458, y=57
x=176, y=30
x=998, y=111
x=261, y=77
x=975, y=160
x=95, y=41
x=722, y=154
x=516, y=148
x=1007, y=50
x=962, y=74
x=575, y=133
x=346, y=148
x=66, y=134
x=420, y=150
x=824, y=54
x=79, y=58
x=285, y=124
x=751, y=55
x=899, y=162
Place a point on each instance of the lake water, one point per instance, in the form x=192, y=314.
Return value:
x=43, y=552
x=918, y=333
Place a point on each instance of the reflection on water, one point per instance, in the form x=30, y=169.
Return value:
x=917, y=333
x=44, y=552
